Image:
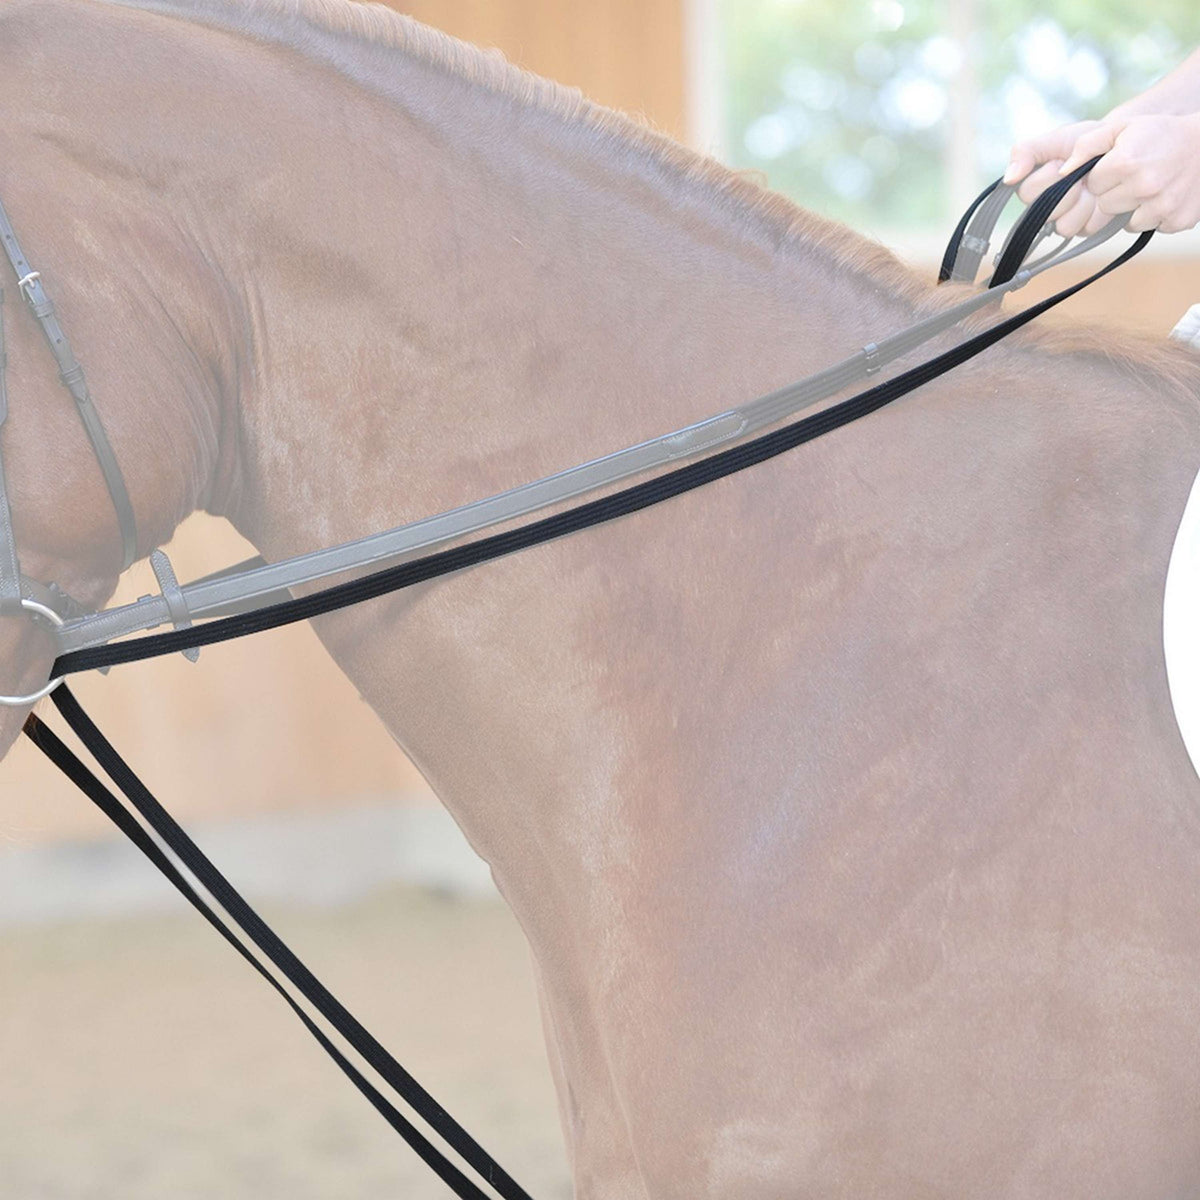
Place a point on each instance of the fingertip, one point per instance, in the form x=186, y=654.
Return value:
x=1019, y=166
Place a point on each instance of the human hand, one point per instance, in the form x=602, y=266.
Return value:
x=1035, y=162
x=1039, y=161
x=1150, y=168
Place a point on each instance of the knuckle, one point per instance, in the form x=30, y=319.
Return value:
x=1118, y=168
x=1149, y=181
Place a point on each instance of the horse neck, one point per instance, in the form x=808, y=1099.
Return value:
x=468, y=291
x=433, y=287
x=450, y=292
x=696, y=744
x=324, y=308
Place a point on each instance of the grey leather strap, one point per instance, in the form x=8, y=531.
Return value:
x=71, y=373
x=976, y=241
x=10, y=568
x=168, y=586
x=238, y=591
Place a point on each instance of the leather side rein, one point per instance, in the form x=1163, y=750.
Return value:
x=254, y=597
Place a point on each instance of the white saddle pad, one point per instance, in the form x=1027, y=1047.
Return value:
x=1181, y=604
x=1188, y=329
x=1181, y=625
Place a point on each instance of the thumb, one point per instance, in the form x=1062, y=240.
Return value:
x=1050, y=147
x=1021, y=163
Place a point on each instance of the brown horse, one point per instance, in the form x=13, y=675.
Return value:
x=842, y=801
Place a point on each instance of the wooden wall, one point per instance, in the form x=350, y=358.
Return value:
x=628, y=54
x=1148, y=296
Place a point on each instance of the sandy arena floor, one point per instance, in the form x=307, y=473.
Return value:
x=141, y=1060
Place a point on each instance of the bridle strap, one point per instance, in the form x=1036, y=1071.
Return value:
x=73, y=379
x=595, y=512
x=254, y=584
x=14, y=586
x=10, y=568
x=971, y=240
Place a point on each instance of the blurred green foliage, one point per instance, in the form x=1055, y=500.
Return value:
x=846, y=104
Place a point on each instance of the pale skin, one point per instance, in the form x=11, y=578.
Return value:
x=1150, y=166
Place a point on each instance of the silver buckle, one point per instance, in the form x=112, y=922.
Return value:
x=39, y=610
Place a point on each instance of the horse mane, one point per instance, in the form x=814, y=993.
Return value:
x=363, y=41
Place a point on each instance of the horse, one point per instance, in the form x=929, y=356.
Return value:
x=841, y=802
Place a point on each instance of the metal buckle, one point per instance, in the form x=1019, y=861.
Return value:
x=38, y=610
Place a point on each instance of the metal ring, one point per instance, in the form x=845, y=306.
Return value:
x=39, y=610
